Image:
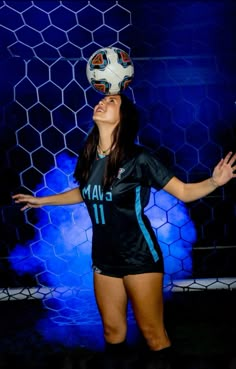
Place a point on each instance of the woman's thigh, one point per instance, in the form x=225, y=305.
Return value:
x=146, y=295
x=111, y=300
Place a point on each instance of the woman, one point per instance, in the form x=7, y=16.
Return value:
x=114, y=178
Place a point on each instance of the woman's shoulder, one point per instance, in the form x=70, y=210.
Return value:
x=141, y=156
x=146, y=157
x=142, y=153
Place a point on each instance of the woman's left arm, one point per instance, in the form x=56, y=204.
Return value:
x=222, y=173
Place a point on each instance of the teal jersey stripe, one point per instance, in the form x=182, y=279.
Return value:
x=138, y=210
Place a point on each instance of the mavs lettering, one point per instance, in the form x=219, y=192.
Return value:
x=95, y=193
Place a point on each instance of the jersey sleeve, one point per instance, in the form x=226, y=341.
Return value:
x=152, y=172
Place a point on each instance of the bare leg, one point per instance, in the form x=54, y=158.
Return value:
x=111, y=299
x=146, y=295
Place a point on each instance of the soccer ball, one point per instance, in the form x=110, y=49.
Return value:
x=110, y=70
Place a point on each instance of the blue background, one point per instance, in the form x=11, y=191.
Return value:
x=184, y=85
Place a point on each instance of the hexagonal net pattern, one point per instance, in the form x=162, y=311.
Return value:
x=46, y=114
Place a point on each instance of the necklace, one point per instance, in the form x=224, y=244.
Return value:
x=103, y=151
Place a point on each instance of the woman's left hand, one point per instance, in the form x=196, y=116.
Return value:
x=224, y=170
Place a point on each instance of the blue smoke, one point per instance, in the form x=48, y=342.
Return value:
x=60, y=258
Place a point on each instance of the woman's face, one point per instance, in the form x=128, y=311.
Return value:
x=108, y=110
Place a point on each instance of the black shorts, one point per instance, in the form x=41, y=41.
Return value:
x=119, y=272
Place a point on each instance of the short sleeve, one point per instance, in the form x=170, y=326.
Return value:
x=151, y=171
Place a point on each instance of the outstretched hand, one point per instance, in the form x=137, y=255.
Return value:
x=224, y=170
x=28, y=200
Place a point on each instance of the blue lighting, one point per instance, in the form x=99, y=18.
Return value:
x=61, y=259
x=184, y=86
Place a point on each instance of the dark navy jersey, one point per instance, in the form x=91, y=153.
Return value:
x=122, y=234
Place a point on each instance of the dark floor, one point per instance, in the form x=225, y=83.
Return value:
x=202, y=326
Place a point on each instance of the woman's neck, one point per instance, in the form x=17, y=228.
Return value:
x=104, y=142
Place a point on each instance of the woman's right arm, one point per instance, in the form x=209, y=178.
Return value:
x=65, y=198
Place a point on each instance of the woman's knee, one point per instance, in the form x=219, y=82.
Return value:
x=115, y=332
x=156, y=338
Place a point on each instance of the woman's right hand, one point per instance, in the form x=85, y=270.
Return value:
x=28, y=200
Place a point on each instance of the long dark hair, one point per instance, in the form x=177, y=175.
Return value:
x=124, y=138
